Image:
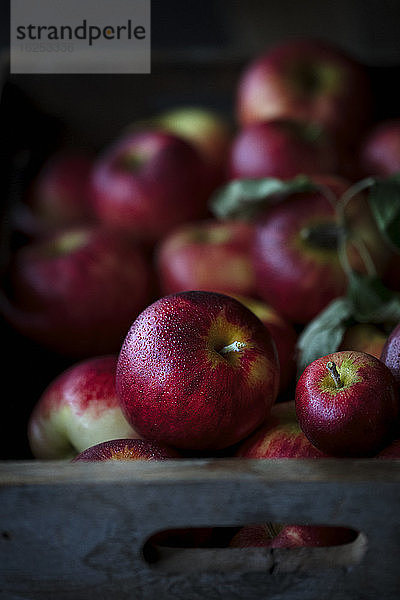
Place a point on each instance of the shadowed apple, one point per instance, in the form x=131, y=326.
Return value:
x=207, y=255
x=279, y=437
x=273, y=535
x=310, y=80
x=77, y=291
x=127, y=449
x=148, y=182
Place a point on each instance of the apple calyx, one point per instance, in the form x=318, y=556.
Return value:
x=331, y=367
x=235, y=346
x=325, y=235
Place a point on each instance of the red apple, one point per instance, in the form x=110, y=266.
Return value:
x=364, y=337
x=206, y=128
x=292, y=536
x=77, y=291
x=309, y=80
x=347, y=404
x=390, y=354
x=295, y=249
x=279, y=437
x=197, y=370
x=126, y=449
x=379, y=151
x=78, y=409
x=207, y=255
x=58, y=196
x=148, y=182
x=281, y=148
x=284, y=335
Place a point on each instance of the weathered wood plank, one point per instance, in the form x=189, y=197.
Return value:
x=77, y=530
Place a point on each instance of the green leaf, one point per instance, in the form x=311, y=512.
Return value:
x=384, y=200
x=245, y=198
x=372, y=301
x=324, y=334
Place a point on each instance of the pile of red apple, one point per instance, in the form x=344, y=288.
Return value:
x=178, y=268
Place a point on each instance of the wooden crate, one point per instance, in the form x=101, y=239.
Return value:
x=76, y=531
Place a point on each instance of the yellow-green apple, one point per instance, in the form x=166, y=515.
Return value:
x=390, y=354
x=207, y=255
x=379, y=150
x=208, y=129
x=296, y=249
x=310, y=80
x=347, y=404
x=78, y=409
x=281, y=148
x=273, y=535
x=148, y=182
x=284, y=335
x=197, y=370
x=78, y=290
x=126, y=449
x=58, y=195
x=364, y=337
x=279, y=437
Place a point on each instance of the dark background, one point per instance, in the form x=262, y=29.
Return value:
x=198, y=51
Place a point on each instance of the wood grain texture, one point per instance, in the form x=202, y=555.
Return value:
x=76, y=531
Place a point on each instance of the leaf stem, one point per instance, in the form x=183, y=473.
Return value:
x=355, y=189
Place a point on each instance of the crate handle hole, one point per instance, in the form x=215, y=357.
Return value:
x=271, y=546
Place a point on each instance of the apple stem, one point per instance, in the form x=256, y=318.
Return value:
x=331, y=366
x=233, y=347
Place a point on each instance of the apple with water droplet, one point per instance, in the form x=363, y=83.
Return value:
x=197, y=370
x=347, y=404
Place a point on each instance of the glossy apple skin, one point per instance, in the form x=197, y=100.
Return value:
x=298, y=276
x=358, y=419
x=174, y=385
x=77, y=291
x=292, y=536
x=390, y=354
x=58, y=196
x=279, y=437
x=78, y=409
x=379, y=152
x=309, y=80
x=207, y=255
x=149, y=182
x=126, y=449
x=280, y=148
x=284, y=335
